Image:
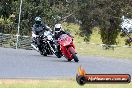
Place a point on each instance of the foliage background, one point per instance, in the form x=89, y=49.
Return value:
x=104, y=14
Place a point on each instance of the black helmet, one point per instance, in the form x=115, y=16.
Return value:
x=38, y=20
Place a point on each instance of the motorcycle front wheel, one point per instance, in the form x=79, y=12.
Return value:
x=73, y=54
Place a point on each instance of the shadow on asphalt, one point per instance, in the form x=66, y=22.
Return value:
x=53, y=58
x=66, y=61
x=44, y=56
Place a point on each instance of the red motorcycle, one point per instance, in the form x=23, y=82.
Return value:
x=67, y=47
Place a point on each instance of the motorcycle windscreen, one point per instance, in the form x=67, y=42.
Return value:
x=65, y=40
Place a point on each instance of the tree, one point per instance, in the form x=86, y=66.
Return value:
x=103, y=13
x=5, y=8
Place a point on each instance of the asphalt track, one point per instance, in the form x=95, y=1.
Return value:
x=30, y=64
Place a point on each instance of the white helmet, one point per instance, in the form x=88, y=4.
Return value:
x=58, y=28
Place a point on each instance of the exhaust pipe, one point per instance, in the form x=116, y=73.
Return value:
x=35, y=47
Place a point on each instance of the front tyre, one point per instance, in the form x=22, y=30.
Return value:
x=73, y=54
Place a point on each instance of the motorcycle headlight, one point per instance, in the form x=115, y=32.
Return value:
x=49, y=37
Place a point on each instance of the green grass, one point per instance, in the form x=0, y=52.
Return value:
x=84, y=48
x=55, y=84
x=95, y=50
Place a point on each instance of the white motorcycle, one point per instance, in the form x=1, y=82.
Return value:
x=47, y=44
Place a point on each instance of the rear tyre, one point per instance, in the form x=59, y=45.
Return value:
x=44, y=54
x=58, y=55
x=73, y=54
x=69, y=60
x=41, y=52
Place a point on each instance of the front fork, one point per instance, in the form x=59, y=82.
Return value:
x=54, y=51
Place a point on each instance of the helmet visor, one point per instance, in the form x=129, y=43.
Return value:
x=57, y=29
x=38, y=22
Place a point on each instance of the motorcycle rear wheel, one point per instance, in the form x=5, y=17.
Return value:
x=58, y=55
x=69, y=60
x=42, y=53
